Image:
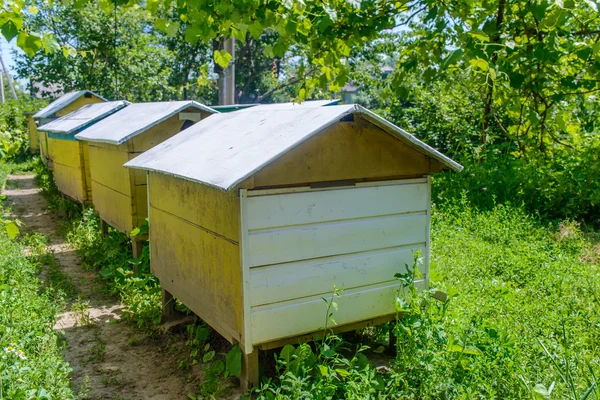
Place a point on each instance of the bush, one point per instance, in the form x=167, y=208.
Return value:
x=564, y=185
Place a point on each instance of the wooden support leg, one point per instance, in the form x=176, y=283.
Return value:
x=392, y=341
x=249, y=377
x=168, y=307
x=104, y=227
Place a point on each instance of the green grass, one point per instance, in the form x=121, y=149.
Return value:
x=31, y=366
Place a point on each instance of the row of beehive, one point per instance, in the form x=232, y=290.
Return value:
x=256, y=215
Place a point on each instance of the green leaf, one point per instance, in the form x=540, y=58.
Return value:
x=9, y=31
x=379, y=350
x=12, y=230
x=50, y=44
x=30, y=43
x=202, y=334
x=192, y=34
x=33, y=10
x=222, y=58
x=208, y=356
x=342, y=372
x=286, y=353
x=452, y=58
x=324, y=370
x=479, y=35
x=479, y=63
x=172, y=29
x=255, y=29
x=233, y=361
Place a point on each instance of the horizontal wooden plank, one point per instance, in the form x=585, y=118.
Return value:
x=276, y=283
x=66, y=152
x=295, y=318
x=69, y=181
x=106, y=166
x=321, y=240
x=333, y=205
x=113, y=207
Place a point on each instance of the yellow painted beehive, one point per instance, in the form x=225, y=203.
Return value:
x=255, y=216
x=119, y=194
x=70, y=156
x=58, y=108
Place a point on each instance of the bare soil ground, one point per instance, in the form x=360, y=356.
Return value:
x=111, y=358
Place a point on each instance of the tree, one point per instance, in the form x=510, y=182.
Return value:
x=116, y=54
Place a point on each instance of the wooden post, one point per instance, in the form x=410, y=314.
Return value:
x=104, y=227
x=249, y=377
x=168, y=307
x=137, y=245
x=393, y=340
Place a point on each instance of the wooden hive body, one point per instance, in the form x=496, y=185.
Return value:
x=257, y=276
x=120, y=194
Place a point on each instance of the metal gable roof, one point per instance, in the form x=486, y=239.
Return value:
x=62, y=102
x=83, y=117
x=225, y=149
x=293, y=106
x=135, y=119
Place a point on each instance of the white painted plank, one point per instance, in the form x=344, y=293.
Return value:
x=333, y=205
x=309, y=315
x=281, y=282
x=320, y=240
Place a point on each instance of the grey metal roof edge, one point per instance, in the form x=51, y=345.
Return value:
x=411, y=139
x=87, y=124
x=79, y=94
x=153, y=123
x=131, y=163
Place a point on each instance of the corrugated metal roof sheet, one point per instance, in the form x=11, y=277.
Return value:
x=225, y=149
x=83, y=117
x=62, y=102
x=135, y=119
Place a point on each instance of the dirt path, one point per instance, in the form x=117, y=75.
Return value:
x=111, y=359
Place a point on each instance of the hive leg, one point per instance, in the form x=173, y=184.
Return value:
x=104, y=227
x=393, y=339
x=249, y=376
x=136, y=247
x=168, y=306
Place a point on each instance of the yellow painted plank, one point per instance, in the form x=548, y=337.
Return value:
x=347, y=150
x=159, y=133
x=44, y=146
x=112, y=186
x=203, y=205
x=77, y=104
x=69, y=170
x=106, y=167
x=34, y=138
x=113, y=207
x=86, y=167
x=65, y=152
x=202, y=270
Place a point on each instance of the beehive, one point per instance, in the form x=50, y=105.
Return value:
x=256, y=215
x=70, y=156
x=119, y=195
x=34, y=139
x=58, y=108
